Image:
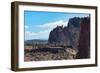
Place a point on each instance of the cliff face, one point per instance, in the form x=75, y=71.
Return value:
x=58, y=36
x=74, y=30
x=66, y=35
x=76, y=34
x=84, y=39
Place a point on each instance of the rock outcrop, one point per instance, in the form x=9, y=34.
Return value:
x=66, y=35
x=84, y=39
x=58, y=36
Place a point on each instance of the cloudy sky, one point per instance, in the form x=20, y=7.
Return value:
x=39, y=24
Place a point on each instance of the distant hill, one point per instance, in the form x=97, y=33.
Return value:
x=36, y=41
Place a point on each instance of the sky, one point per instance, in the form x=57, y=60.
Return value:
x=39, y=24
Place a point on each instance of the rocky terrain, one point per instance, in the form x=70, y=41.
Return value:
x=42, y=54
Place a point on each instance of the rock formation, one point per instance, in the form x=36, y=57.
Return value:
x=76, y=34
x=58, y=36
x=84, y=39
x=66, y=35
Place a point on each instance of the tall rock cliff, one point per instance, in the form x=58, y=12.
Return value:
x=58, y=36
x=74, y=30
x=84, y=39
x=66, y=35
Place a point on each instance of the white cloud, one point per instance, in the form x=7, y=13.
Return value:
x=44, y=30
x=37, y=35
x=28, y=33
x=50, y=26
x=26, y=26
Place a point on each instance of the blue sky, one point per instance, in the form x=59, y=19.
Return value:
x=39, y=24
